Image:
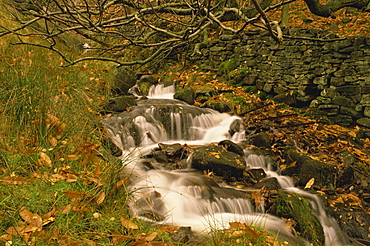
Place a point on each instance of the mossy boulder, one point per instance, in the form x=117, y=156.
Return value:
x=220, y=106
x=119, y=104
x=186, y=95
x=297, y=208
x=302, y=168
x=218, y=160
x=123, y=79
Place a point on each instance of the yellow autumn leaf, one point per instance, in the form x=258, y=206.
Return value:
x=310, y=183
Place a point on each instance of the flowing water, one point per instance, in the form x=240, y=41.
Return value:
x=185, y=197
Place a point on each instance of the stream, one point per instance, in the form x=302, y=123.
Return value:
x=185, y=196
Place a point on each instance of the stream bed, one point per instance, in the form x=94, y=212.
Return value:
x=174, y=191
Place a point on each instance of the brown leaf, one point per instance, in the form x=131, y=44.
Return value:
x=70, y=178
x=66, y=209
x=75, y=194
x=72, y=157
x=97, y=172
x=16, y=180
x=49, y=217
x=27, y=215
x=151, y=236
x=250, y=231
x=6, y=237
x=128, y=224
x=101, y=197
x=44, y=159
x=56, y=177
x=119, y=238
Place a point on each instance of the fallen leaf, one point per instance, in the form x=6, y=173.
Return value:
x=151, y=236
x=44, y=159
x=128, y=224
x=237, y=233
x=310, y=183
x=72, y=157
x=16, y=180
x=97, y=215
x=70, y=178
x=101, y=198
x=119, y=238
x=27, y=215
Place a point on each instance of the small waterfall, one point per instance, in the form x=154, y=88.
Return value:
x=161, y=91
x=186, y=197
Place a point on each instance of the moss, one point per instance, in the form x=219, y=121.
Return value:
x=294, y=206
x=144, y=88
x=227, y=66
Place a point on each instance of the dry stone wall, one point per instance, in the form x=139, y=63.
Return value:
x=331, y=77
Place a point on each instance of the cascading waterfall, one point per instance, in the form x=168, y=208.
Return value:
x=185, y=197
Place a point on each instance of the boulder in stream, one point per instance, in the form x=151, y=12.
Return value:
x=218, y=160
x=124, y=79
x=297, y=208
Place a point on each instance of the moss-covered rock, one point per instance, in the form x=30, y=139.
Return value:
x=124, y=78
x=294, y=206
x=186, y=95
x=220, y=106
x=218, y=160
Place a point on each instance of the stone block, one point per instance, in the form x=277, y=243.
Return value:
x=365, y=100
x=343, y=101
x=329, y=109
x=367, y=111
x=320, y=80
x=349, y=111
x=365, y=121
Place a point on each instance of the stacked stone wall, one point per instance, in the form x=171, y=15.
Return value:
x=330, y=75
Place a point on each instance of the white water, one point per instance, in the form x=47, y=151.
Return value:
x=186, y=198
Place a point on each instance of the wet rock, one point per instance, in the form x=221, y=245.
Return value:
x=302, y=168
x=114, y=149
x=347, y=177
x=235, y=127
x=261, y=139
x=231, y=146
x=294, y=206
x=172, y=149
x=325, y=175
x=218, y=105
x=124, y=79
x=119, y=104
x=257, y=173
x=354, y=221
x=160, y=156
x=149, y=79
x=182, y=235
x=186, y=95
x=269, y=183
x=348, y=158
x=218, y=160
